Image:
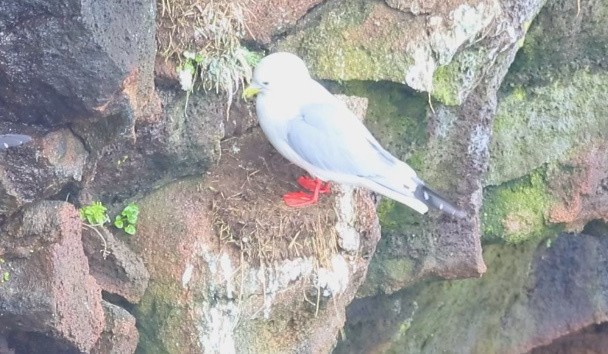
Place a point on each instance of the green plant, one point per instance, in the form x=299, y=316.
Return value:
x=94, y=214
x=205, y=38
x=127, y=219
x=188, y=71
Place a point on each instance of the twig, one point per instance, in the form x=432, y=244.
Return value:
x=104, y=251
x=318, y=300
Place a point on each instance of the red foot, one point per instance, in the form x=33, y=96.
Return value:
x=300, y=199
x=310, y=184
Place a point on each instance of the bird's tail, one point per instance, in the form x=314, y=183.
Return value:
x=436, y=201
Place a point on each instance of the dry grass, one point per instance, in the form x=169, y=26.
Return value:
x=249, y=214
x=272, y=233
x=212, y=29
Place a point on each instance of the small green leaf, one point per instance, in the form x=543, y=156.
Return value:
x=252, y=58
x=130, y=229
x=94, y=214
x=188, y=66
x=6, y=276
x=132, y=219
x=132, y=208
x=118, y=222
x=131, y=212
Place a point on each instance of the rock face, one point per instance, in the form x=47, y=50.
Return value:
x=564, y=143
x=271, y=18
x=218, y=264
x=41, y=251
x=77, y=53
x=75, y=76
x=119, y=334
x=536, y=293
x=546, y=173
x=114, y=266
x=53, y=161
x=292, y=267
x=552, y=173
x=455, y=153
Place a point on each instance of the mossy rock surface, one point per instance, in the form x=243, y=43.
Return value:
x=337, y=44
x=538, y=125
x=532, y=294
x=516, y=211
x=553, y=99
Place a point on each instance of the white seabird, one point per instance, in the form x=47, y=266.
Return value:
x=316, y=131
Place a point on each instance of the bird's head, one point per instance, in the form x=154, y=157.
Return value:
x=277, y=72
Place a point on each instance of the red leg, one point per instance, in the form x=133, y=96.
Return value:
x=300, y=199
x=310, y=184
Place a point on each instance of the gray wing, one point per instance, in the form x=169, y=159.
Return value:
x=331, y=137
x=10, y=140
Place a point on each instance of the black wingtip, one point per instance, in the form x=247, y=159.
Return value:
x=434, y=200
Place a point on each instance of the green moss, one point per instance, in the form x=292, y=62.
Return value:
x=544, y=124
x=405, y=325
x=515, y=211
x=416, y=160
x=543, y=53
x=519, y=94
x=453, y=82
x=159, y=319
x=398, y=268
x=396, y=115
x=336, y=47
x=396, y=217
x=446, y=85
x=436, y=316
x=566, y=87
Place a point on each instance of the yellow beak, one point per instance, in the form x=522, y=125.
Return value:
x=250, y=92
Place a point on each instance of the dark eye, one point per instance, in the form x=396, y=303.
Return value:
x=265, y=83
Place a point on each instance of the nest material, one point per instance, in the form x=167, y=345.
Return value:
x=249, y=213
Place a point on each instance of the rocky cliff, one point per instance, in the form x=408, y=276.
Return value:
x=131, y=111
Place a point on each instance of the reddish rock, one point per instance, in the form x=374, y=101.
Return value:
x=590, y=340
x=48, y=296
x=116, y=268
x=582, y=186
x=228, y=259
x=266, y=19
x=120, y=335
x=40, y=169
